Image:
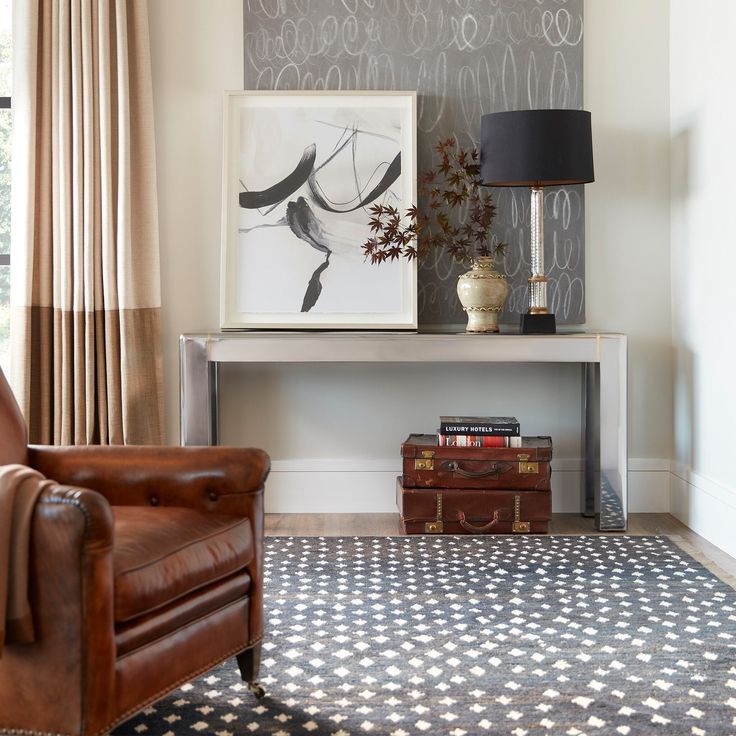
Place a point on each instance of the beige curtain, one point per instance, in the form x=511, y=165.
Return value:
x=85, y=292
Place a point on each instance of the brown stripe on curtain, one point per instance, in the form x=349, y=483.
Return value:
x=85, y=325
x=93, y=405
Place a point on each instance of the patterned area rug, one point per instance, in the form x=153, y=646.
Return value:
x=477, y=635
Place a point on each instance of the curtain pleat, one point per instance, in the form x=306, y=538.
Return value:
x=85, y=292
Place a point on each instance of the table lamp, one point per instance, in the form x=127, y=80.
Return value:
x=536, y=149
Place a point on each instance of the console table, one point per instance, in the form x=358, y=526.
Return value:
x=602, y=356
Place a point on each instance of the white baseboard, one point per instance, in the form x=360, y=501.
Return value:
x=354, y=486
x=649, y=486
x=707, y=507
x=368, y=486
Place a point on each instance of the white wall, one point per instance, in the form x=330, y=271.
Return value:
x=351, y=419
x=627, y=208
x=196, y=54
x=703, y=109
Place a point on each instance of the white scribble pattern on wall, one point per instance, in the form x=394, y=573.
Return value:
x=465, y=58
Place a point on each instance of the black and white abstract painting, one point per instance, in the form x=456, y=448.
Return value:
x=301, y=171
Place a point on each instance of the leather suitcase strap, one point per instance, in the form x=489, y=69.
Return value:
x=465, y=524
x=477, y=470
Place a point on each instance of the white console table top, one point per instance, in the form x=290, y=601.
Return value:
x=311, y=347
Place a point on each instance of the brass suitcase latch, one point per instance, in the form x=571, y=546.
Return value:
x=436, y=526
x=426, y=462
x=527, y=468
x=518, y=526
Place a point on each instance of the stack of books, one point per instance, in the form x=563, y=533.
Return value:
x=479, y=432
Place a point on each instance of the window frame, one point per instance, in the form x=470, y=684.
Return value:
x=5, y=105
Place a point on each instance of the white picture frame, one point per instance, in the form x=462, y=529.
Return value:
x=299, y=173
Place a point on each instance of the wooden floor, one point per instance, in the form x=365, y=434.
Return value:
x=382, y=525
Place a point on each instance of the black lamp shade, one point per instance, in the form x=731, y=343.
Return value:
x=534, y=148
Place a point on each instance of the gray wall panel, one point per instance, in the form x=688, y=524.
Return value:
x=465, y=58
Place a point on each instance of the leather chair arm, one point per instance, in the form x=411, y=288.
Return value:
x=200, y=477
x=95, y=511
x=72, y=659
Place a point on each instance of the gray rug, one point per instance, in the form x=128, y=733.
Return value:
x=477, y=635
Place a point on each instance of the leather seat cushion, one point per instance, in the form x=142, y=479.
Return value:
x=176, y=616
x=161, y=554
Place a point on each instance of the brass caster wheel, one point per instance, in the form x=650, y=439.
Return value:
x=256, y=689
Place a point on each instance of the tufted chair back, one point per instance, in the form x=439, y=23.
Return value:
x=13, y=433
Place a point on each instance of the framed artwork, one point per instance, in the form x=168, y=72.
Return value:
x=301, y=170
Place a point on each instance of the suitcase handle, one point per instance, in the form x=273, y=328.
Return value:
x=473, y=528
x=495, y=469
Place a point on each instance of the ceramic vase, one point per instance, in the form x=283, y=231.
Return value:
x=482, y=292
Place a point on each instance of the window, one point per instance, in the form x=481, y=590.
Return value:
x=5, y=128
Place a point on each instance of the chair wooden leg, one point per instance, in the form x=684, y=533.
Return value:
x=249, y=662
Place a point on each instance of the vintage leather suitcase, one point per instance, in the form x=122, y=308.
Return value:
x=427, y=465
x=468, y=511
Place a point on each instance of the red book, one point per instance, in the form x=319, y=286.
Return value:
x=471, y=440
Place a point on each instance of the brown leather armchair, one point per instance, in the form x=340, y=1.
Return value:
x=146, y=570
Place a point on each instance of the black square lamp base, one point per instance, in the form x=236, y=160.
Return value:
x=537, y=324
